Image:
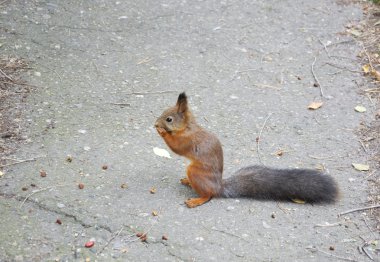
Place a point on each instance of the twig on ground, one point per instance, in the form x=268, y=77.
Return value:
x=242, y=71
x=325, y=47
x=121, y=104
x=17, y=161
x=19, y=84
x=365, y=222
x=370, y=174
x=264, y=85
x=143, y=234
x=259, y=137
x=361, y=143
x=52, y=70
x=341, y=42
x=344, y=57
x=358, y=209
x=110, y=240
x=328, y=224
x=153, y=92
x=343, y=68
x=335, y=256
x=225, y=232
x=366, y=252
x=38, y=191
x=316, y=78
x=368, y=57
x=6, y=76
x=321, y=157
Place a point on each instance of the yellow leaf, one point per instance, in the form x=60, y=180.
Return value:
x=360, y=109
x=360, y=167
x=366, y=69
x=314, y=105
x=298, y=201
x=161, y=152
x=154, y=213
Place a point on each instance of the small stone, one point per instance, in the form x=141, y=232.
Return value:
x=80, y=185
x=230, y=208
x=60, y=205
x=43, y=173
x=89, y=244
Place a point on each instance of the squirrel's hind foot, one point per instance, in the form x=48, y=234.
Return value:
x=194, y=202
x=185, y=181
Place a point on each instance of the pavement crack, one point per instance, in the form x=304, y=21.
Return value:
x=58, y=212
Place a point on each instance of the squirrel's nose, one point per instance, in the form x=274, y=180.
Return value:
x=156, y=125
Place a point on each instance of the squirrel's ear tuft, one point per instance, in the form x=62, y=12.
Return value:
x=182, y=103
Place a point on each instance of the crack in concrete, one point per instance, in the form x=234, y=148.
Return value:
x=58, y=212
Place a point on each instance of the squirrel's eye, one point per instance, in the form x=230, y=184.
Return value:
x=169, y=119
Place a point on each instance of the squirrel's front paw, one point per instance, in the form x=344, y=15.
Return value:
x=161, y=131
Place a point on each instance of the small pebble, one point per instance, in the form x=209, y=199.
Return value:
x=89, y=244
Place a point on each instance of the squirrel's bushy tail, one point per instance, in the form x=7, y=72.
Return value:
x=281, y=184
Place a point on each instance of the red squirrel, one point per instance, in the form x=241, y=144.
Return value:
x=177, y=126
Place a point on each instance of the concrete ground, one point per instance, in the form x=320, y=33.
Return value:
x=105, y=69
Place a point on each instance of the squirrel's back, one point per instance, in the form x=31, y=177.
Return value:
x=281, y=184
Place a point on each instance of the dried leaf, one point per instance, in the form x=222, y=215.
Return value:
x=1, y=173
x=153, y=190
x=366, y=69
x=279, y=152
x=155, y=213
x=376, y=74
x=161, y=152
x=298, y=201
x=360, y=109
x=69, y=158
x=354, y=32
x=124, y=186
x=360, y=167
x=314, y=105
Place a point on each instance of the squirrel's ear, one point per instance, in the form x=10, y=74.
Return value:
x=182, y=103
